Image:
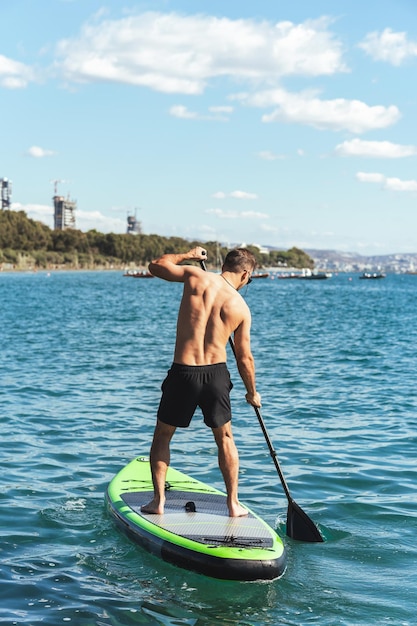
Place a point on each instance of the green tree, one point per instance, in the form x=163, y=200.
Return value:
x=21, y=237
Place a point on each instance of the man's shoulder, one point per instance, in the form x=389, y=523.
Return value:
x=191, y=272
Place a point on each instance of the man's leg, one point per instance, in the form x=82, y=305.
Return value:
x=159, y=457
x=229, y=466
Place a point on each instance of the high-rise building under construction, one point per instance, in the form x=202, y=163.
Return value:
x=6, y=192
x=134, y=227
x=64, y=210
x=64, y=213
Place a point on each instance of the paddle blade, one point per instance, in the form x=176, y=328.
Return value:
x=300, y=526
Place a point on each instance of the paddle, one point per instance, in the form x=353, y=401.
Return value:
x=299, y=526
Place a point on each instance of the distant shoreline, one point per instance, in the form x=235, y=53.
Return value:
x=55, y=270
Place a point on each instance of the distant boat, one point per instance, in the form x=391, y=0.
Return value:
x=288, y=275
x=259, y=275
x=315, y=276
x=138, y=274
x=368, y=275
x=307, y=275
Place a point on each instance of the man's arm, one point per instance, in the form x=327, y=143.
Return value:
x=245, y=362
x=168, y=265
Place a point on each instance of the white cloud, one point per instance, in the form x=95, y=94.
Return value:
x=239, y=195
x=267, y=155
x=370, y=177
x=220, y=195
x=243, y=195
x=39, y=212
x=89, y=220
x=389, y=183
x=307, y=108
x=392, y=47
x=234, y=215
x=396, y=184
x=221, y=109
x=175, y=53
x=254, y=214
x=269, y=228
x=226, y=215
x=13, y=74
x=85, y=220
x=375, y=149
x=216, y=113
x=182, y=112
x=38, y=153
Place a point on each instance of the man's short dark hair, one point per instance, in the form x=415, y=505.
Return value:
x=239, y=260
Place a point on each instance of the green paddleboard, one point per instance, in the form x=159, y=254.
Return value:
x=195, y=532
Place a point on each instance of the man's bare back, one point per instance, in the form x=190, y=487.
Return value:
x=210, y=311
x=205, y=324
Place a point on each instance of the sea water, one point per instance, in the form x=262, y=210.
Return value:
x=82, y=358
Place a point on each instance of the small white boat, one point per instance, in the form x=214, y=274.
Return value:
x=369, y=275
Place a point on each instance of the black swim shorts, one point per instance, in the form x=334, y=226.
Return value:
x=188, y=386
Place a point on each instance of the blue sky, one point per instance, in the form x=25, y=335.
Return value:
x=268, y=122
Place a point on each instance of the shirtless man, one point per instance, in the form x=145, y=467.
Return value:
x=210, y=311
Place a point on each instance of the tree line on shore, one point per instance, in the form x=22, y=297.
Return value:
x=28, y=243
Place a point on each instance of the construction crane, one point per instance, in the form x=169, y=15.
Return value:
x=55, y=183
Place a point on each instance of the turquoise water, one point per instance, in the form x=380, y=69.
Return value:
x=82, y=359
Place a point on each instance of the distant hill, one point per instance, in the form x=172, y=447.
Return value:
x=352, y=261
x=26, y=244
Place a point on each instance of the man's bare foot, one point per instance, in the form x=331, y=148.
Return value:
x=153, y=507
x=237, y=510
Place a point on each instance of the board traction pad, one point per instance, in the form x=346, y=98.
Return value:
x=209, y=524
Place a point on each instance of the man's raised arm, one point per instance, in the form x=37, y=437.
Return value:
x=168, y=266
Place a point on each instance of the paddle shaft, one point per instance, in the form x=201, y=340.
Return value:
x=268, y=440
